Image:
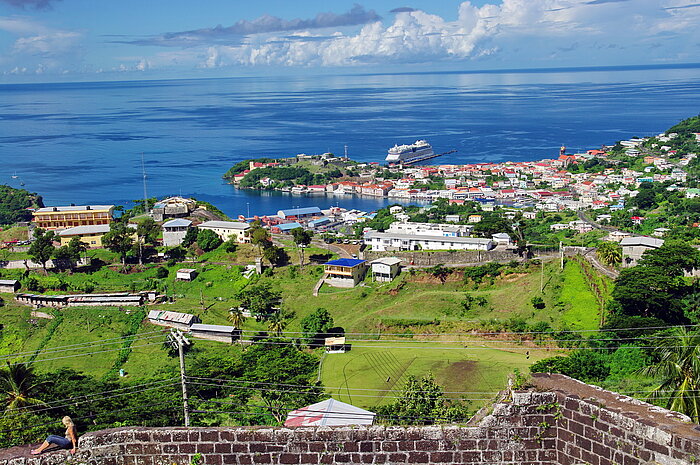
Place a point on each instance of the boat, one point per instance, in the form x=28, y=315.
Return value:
x=419, y=150
x=14, y=176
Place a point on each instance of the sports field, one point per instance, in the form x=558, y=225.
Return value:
x=373, y=373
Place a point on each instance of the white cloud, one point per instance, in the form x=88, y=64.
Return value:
x=50, y=44
x=512, y=30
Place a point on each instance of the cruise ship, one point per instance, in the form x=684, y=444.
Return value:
x=420, y=149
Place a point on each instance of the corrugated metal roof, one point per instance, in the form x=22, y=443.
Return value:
x=330, y=412
x=299, y=211
x=71, y=208
x=88, y=229
x=224, y=225
x=288, y=226
x=642, y=240
x=8, y=282
x=212, y=328
x=387, y=261
x=177, y=223
x=349, y=262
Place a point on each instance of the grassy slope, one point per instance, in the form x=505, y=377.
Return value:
x=580, y=306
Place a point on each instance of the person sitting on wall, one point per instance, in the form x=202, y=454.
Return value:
x=71, y=439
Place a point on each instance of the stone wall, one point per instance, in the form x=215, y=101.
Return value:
x=560, y=421
x=447, y=257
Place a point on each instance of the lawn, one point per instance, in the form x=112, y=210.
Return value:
x=373, y=373
x=580, y=307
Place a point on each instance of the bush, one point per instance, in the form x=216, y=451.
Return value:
x=162, y=272
x=537, y=302
x=207, y=240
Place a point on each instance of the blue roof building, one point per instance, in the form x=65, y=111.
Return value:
x=286, y=227
x=319, y=222
x=345, y=272
x=299, y=212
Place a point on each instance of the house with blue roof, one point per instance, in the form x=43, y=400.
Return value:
x=299, y=213
x=345, y=272
x=286, y=227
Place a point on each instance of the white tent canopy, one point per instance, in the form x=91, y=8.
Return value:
x=330, y=412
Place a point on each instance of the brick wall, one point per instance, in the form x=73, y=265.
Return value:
x=569, y=423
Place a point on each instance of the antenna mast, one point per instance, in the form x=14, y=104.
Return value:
x=145, y=195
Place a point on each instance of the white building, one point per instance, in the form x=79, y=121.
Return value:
x=385, y=269
x=227, y=229
x=431, y=229
x=395, y=241
x=174, y=231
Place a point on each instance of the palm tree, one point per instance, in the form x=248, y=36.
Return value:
x=236, y=317
x=17, y=386
x=679, y=371
x=610, y=253
x=277, y=324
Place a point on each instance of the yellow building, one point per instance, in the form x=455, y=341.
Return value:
x=89, y=235
x=74, y=215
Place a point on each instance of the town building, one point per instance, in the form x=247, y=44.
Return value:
x=345, y=272
x=91, y=236
x=394, y=241
x=634, y=247
x=336, y=345
x=186, y=274
x=51, y=218
x=173, y=319
x=228, y=229
x=9, y=285
x=300, y=213
x=218, y=333
x=430, y=229
x=173, y=207
x=174, y=231
x=385, y=269
x=329, y=412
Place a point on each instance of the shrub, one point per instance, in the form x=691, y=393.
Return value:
x=162, y=272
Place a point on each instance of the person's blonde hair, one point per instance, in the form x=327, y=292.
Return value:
x=67, y=421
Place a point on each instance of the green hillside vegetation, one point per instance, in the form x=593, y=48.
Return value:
x=14, y=204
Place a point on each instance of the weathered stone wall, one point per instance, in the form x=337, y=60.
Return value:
x=569, y=423
x=448, y=257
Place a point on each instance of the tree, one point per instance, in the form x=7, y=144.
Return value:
x=208, y=240
x=679, y=370
x=190, y=237
x=649, y=291
x=71, y=253
x=302, y=238
x=277, y=323
x=146, y=234
x=583, y=364
x=236, y=317
x=423, y=402
x=610, y=253
x=275, y=255
x=18, y=386
x=260, y=237
x=259, y=299
x=119, y=239
x=537, y=302
x=673, y=258
x=269, y=363
x=42, y=248
x=314, y=326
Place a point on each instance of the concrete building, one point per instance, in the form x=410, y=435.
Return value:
x=634, y=247
x=91, y=236
x=186, y=274
x=228, y=229
x=345, y=272
x=67, y=217
x=385, y=269
x=9, y=285
x=392, y=242
x=173, y=207
x=431, y=229
x=174, y=231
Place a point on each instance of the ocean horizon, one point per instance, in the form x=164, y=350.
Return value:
x=83, y=142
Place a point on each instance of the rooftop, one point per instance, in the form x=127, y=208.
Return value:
x=88, y=229
x=225, y=225
x=348, y=262
x=75, y=208
x=177, y=223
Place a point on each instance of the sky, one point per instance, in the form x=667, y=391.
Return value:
x=83, y=40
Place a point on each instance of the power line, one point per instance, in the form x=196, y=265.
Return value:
x=115, y=340
x=83, y=354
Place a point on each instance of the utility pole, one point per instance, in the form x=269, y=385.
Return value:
x=541, y=275
x=176, y=337
x=561, y=253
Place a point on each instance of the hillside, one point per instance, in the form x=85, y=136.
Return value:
x=14, y=204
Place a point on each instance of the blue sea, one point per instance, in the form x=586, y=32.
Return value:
x=84, y=142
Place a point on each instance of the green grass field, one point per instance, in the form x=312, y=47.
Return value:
x=580, y=310
x=373, y=373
